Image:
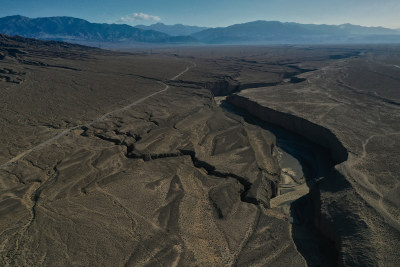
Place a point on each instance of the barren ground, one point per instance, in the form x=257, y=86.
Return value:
x=111, y=158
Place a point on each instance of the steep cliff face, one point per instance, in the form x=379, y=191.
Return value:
x=311, y=131
x=338, y=221
x=223, y=87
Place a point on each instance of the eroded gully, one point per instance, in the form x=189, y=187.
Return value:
x=302, y=163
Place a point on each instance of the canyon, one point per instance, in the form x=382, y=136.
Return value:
x=199, y=156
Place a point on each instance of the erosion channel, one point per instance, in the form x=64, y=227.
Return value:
x=302, y=164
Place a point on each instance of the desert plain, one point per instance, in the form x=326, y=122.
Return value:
x=199, y=156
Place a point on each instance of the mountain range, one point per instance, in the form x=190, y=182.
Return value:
x=290, y=32
x=257, y=32
x=173, y=30
x=81, y=31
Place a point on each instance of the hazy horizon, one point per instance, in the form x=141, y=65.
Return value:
x=179, y=23
x=214, y=13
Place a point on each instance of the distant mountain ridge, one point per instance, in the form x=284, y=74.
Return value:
x=79, y=30
x=173, y=30
x=290, y=32
x=257, y=32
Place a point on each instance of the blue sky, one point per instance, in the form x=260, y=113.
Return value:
x=213, y=13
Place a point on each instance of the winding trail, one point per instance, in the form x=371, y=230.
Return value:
x=99, y=119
